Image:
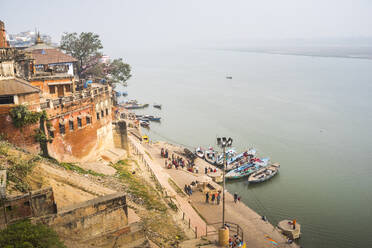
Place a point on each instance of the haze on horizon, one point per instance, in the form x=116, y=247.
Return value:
x=169, y=23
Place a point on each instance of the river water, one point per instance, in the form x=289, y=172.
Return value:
x=313, y=115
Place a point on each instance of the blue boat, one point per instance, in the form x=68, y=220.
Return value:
x=247, y=169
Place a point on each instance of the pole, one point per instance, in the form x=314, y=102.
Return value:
x=223, y=188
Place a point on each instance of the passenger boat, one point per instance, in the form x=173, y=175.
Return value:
x=229, y=154
x=264, y=174
x=199, y=152
x=157, y=106
x=210, y=156
x=247, y=169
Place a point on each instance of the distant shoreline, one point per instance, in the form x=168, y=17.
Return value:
x=368, y=57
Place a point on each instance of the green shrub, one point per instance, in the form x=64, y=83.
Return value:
x=26, y=235
x=21, y=116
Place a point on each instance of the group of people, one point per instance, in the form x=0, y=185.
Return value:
x=164, y=153
x=208, y=170
x=188, y=189
x=235, y=241
x=213, y=197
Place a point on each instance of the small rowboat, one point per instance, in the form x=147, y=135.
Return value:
x=264, y=174
x=144, y=123
x=210, y=156
x=157, y=106
x=247, y=169
x=199, y=152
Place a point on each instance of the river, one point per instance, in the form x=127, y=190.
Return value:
x=313, y=115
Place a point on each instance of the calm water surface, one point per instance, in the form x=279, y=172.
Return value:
x=311, y=114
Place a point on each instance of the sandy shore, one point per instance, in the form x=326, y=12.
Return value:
x=256, y=231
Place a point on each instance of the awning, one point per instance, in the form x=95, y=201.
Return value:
x=62, y=121
x=60, y=83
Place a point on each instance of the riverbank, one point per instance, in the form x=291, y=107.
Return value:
x=256, y=231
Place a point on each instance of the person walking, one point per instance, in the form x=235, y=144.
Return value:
x=207, y=197
x=213, y=198
x=235, y=197
x=218, y=198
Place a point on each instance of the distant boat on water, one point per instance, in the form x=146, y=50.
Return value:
x=157, y=106
x=228, y=77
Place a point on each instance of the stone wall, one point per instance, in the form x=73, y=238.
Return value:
x=35, y=204
x=90, y=219
x=120, y=134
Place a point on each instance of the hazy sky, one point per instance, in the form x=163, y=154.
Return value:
x=143, y=24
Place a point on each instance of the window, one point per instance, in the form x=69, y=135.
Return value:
x=97, y=116
x=102, y=113
x=62, y=129
x=71, y=125
x=6, y=99
x=88, y=120
x=52, y=89
x=79, y=122
x=68, y=88
x=27, y=203
x=106, y=111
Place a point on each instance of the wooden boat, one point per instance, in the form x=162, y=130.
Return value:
x=157, y=106
x=199, y=152
x=228, y=77
x=124, y=93
x=152, y=118
x=247, y=169
x=264, y=174
x=144, y=123
x=210, y=156
x=229, y=154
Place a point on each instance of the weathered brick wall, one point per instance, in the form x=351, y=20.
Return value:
x=37, y=203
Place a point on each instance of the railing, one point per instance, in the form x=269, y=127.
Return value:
x=186, y=220
x=234, y=229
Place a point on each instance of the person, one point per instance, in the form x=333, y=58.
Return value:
x=207, y=197
x=264, y=218
x=218, y=198
x=162, y=152
x=235, y=197
x=205, y=170
x=190, y=190
x=166, y=153
x=238, y=198
x=186, y=189
x=213, y=198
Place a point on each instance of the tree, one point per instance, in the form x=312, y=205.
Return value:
x=119, y=71
x=81, y=47
x=25, y=234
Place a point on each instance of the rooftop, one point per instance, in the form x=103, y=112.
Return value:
x=16, y=86
x=50, y=56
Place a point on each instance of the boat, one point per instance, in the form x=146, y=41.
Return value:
x=247, y=169
x=228, y=77
x=210, y=156
x=135, y=106
x=229, y=154
x=124, y=93
x=251, y=152
x=264, y=174
x=157, y=106
x=144, y=123
x=199, y=152
x=152, y=118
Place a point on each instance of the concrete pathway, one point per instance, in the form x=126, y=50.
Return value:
x=162, y=177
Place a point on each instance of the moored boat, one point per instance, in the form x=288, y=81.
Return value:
x=229, y=154
x=199, y=152
x=210, y=156
x=157, y=106
x=264, y=174
x=247, y=169
x=144, y=123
